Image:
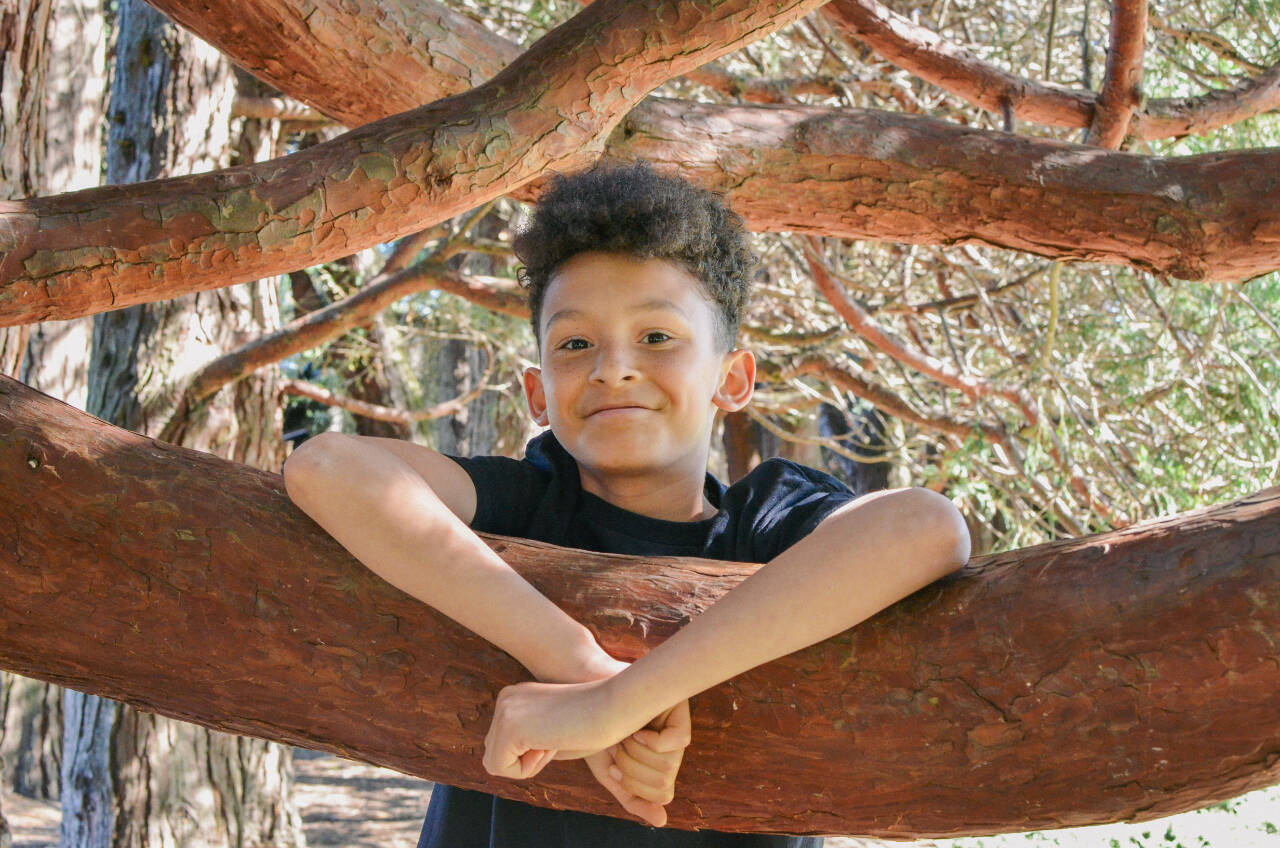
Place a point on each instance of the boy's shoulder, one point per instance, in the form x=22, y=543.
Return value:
x=777, y=476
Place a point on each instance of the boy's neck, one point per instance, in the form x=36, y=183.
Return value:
x=670, y=497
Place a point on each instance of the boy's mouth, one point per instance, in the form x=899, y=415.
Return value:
x=621, y=407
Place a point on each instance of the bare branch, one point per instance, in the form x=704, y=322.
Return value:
x=886, y=401
x=320, y=326
x=927, y=55
x=284, y=108
x=1174, y=118
x=1121, y=92
x=452, y=406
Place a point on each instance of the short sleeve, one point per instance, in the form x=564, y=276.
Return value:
x=785, y=502
x=508, y=492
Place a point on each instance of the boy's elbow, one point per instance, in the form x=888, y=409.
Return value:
x=313, y=459
x=944, y=527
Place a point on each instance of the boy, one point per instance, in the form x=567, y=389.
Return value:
x=637, y=284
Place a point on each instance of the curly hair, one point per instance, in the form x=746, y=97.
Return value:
x=633, y=210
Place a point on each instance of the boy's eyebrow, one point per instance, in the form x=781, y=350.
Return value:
x=647, y=306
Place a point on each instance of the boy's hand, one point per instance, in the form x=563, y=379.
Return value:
x=536, y=722
x=641, y=770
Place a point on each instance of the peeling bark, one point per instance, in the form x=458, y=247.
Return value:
x=849, y=173
x=868, y=174
x=120, y=245
x=1067, y=684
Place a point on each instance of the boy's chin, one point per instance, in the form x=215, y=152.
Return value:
x=620, y=461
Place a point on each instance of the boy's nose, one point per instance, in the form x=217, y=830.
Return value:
x=612, y=366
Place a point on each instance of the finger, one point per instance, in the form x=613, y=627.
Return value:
x=678, y=731
x=646, y=756
x=532, y=761
x=661, y=794
x=651, y=812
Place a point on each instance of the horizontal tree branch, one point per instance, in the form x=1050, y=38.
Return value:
x=856, y=173
x=106, y=248
x=453, y=406
x=1065, y=684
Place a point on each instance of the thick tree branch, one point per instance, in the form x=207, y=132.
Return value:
x=1121, y=93
x=107, y=248
x=869, y=174
x=353, y=60
x=1060, y=685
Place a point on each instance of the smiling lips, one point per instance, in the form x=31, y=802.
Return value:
x=621, y=407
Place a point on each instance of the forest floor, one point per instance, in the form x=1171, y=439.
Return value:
x=361, y=806
x=342, y=803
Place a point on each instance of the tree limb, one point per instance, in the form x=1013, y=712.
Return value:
x=320, y=326
x=106, y=248
x=453, y=406
x=1121, y=93
x=927, y=55
x=1065, y=684
x=855, y=173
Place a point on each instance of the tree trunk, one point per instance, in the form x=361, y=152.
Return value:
x=130, y=778
x=1067, y=684
x=54, y=70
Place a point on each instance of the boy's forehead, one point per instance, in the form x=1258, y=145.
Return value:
x=591, y=282
x=651, y=305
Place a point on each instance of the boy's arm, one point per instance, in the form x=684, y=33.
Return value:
x=402, y=510
x=863, y=557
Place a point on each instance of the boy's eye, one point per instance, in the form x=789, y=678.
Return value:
x=574, y=344
x=656, y=336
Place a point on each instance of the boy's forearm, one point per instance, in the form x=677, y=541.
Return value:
x=862, y=558
x=387, y=516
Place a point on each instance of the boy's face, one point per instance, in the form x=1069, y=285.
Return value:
x=631, y=376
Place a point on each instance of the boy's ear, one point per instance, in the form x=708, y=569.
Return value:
x=737, y=380
x=534, y=394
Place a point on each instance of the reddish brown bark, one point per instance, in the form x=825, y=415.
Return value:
x=1123, y=676
x=63, y=254
x=1121, y=92
x=849, y=173
x=927, y=55
x=353, y=60
x=112, y=247
x=870, y=174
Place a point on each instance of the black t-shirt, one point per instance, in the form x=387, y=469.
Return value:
x=540, y=497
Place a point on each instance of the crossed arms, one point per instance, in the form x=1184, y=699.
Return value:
x=390, y=502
